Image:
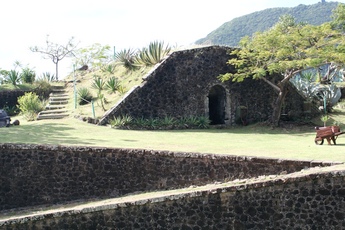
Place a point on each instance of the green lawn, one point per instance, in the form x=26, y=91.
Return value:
x=249, y=141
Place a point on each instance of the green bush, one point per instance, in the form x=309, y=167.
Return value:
x=28, y=75
x=30, y=105
x=43, y=89
x=166, y=123
x=11, y=111
x=120, y=122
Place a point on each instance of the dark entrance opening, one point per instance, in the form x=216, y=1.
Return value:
x=216, y=105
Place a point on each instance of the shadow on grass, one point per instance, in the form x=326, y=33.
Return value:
x=47, y=133
x=305, y=129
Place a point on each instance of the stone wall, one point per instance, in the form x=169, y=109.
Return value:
x=44, y=175
x=181, y=86
x=311, y=199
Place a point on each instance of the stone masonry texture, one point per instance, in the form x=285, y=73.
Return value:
x=180, y=86
x=43, y=175
x=306, y=200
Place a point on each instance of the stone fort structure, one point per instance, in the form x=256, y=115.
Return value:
x=185, y=84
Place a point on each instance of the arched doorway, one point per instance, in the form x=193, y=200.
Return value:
x=217, y=104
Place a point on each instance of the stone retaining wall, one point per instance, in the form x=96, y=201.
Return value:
x=310, y=199
x=9, y=97
x=44, y=175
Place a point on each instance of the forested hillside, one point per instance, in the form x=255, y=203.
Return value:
x=230, y=33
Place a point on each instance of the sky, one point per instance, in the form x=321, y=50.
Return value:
x=122, y=24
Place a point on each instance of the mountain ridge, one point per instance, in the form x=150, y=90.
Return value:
x=231, y=32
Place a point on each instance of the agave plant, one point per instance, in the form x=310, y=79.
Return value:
x=47, y=77
x=12, y=77
x=85, y=96
x=98, y=83
x=108, y=68
x=121, y=121
x=153, y=54
x=127, y=58
x=112, y=84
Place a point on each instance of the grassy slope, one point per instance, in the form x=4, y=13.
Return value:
x=84, y=79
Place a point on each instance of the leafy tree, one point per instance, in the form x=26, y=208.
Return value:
x=56, y=52
x=92, y=56
x=285, y=50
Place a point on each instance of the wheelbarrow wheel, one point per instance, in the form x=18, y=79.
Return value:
x=319, y=142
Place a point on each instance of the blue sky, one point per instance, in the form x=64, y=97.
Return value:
x=123, y=24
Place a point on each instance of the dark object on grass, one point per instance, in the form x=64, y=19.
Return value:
x=84, y=67
x=4, y=119
x=16, y=122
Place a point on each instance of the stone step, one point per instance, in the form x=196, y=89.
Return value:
x=59, y=97
x=53, y=107
x=56, y=95
x=55, y=111
x=58, y=102
x=57, y=92
x=52, y=116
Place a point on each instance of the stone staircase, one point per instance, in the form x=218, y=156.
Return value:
x=56, y=108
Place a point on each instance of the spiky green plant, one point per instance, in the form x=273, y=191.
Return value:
x=98, y=83
x=121, y=121
x=154, y=54
x=84, y=96
x=47, y=77
x=12, y=77
x=108, y=68
x=112, y=84
x=122, y=90
x=127, y=58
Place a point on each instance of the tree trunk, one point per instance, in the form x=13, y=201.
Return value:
x=277, y=105
x=57, y=70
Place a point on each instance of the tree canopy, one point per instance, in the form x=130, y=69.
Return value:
x=56, y=52
x=286, y=49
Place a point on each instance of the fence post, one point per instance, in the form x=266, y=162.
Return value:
x=74, y=88
x=93, y=109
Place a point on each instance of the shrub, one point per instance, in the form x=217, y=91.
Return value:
x=30, y=105
x=85, y=96
x=120, y=122
x=28, y=75
x=166, y=123
x=43, y=89
x=11, y=111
